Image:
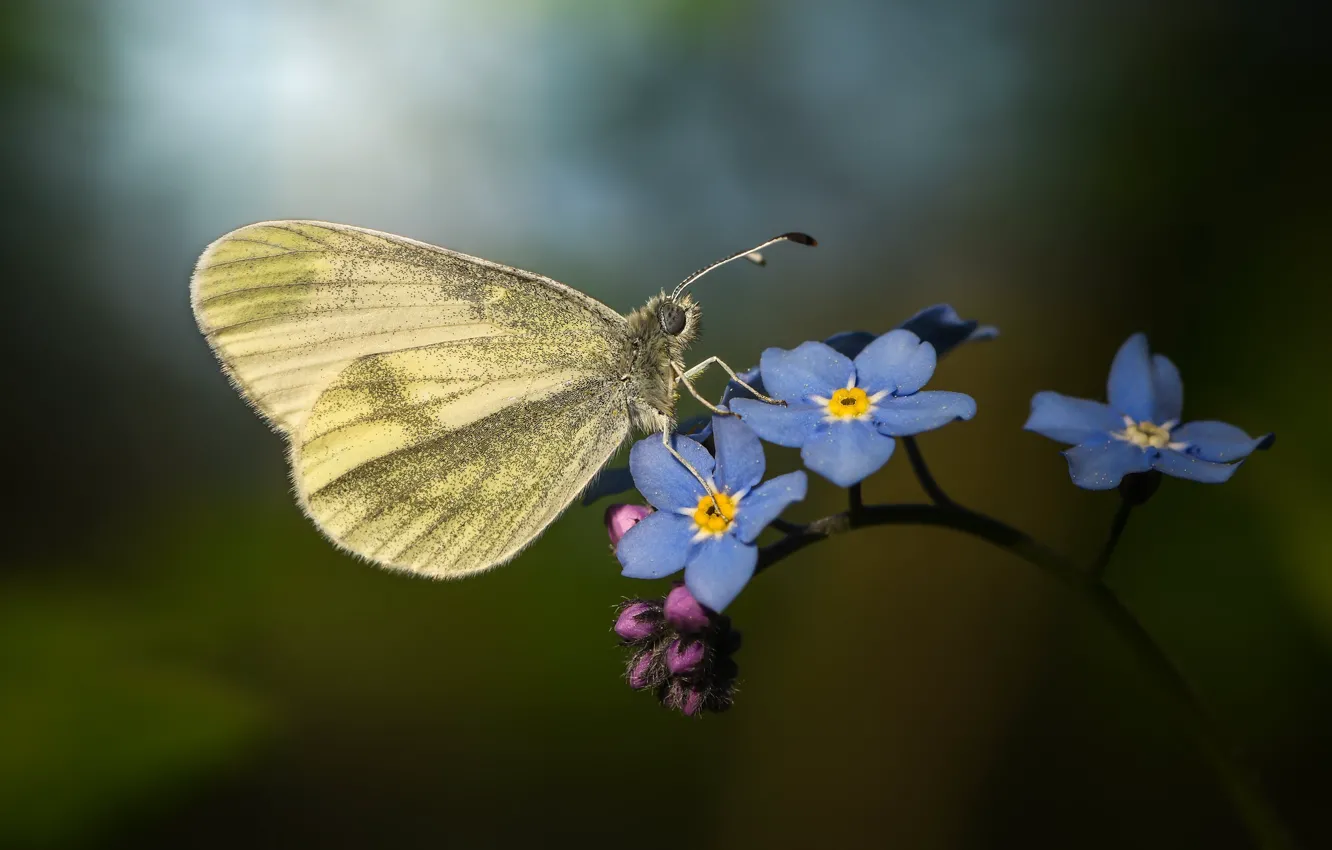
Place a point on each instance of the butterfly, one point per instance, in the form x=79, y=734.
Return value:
x=440, y=410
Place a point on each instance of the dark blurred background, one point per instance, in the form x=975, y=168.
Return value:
x=185, y=662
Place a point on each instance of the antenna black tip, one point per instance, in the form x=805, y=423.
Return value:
x=752, y=255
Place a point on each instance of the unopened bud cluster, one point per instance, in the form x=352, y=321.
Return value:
x=680, y=650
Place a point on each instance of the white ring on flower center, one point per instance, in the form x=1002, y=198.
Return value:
x=1148, y=435
x=826, y=403
x=704, y=534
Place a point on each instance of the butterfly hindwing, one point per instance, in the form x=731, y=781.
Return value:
x=407, y=463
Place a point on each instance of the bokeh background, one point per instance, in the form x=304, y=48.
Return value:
x=185, y=662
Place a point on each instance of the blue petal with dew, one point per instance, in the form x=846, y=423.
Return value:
x=719, y=570
x=897, y=361
x=1071, y=420
x=1101, y=466
x=924, y=411
x=1219, y=442
x=739, y=455
x=1131, y=388
x=1168, y=388
x=662, y=480
x=1181, y=465
x=847, y=452
x=656, y=546
x=782, y=426
x=811, y=368
x=766, y=502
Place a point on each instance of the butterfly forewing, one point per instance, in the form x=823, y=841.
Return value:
x=289, y=304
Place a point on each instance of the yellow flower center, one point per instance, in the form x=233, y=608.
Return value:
x=1146, y=435
x=707, y=518
x=848, y=403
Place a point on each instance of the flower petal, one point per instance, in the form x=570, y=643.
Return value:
x=944, y=329
x=849, y=343
x=610, y=482
x=915, y=414
x=766, y=502
x=751, y=376
x=656, y=546
x=896, y=361
x=719, y=570
x=783, y=426
x=848, y=452
x=1219, y=442
x=1182, y=465
x=1071, y=420
x=697, y=428
x=810, y=369
x=1101, y=466
x=739, y=454
x=662, y=480
x=1130, y=388
x=1169, y=390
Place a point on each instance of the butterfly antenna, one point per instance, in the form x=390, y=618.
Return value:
x=752, y=255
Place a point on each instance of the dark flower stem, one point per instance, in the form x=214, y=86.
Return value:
x=1117, y=526
x=958, y=518
x=1264, y=826
x=927, y=482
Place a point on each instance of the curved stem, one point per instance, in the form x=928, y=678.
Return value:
x=1117, y=526
x=1264, y=827
x=918, y=466
x=959, y=519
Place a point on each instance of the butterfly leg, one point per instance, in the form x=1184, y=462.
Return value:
x=683, y=378
x=698, y=368
x=707, y=485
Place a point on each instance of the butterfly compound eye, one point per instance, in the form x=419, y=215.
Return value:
x=671, y=317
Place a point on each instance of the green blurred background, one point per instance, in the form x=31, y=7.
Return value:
x=185, y=662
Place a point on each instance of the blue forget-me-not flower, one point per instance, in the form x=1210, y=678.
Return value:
x=1139, y=429
x=843, y=414
x=940, y=326
x=714, y=547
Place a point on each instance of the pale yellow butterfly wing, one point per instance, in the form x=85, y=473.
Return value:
x=441, y=409
x=288, y=304
x=449, y=459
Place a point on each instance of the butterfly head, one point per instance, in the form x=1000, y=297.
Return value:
x=677, y=315
x=659, y=334
x=674, y=321
x=678, y=318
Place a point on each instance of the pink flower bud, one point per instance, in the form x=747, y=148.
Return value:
x=644, y=671
x=685, y=656
x=684, y=613
x=621, y=518
x=638, y=620
x=693, y=703
x=686, y=698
